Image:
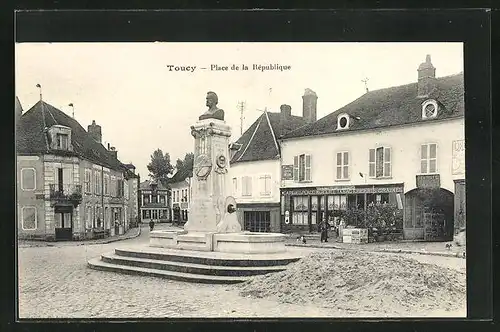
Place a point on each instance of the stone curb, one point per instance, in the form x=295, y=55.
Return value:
x=78, y=243
x=396, y=251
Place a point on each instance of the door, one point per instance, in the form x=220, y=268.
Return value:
x=64, y=226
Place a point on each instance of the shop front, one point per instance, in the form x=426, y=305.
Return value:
x=302, y=209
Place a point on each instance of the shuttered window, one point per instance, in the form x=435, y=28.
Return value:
x=302, y=168
x=379, y=162
x=342, y=165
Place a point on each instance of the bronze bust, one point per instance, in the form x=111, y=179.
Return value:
x=213, y=111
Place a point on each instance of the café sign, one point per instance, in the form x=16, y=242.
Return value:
x=286, y=172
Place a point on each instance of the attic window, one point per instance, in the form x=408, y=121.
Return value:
x=342, y=122
x=429, y=109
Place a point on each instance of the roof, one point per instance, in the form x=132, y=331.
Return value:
x=390, y=107
x=18, y=107
x=30, y=137
x=181, y=175
x=259, y=141
x=146, y=185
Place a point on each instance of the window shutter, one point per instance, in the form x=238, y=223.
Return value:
x=308, y=167
x=387, y=161
x=296, y=168
x=371, y=163
x=379, y=162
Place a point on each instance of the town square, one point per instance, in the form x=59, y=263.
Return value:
x=288, y=190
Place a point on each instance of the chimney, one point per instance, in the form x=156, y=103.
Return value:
x=309, y=105
x=113, y=152
x=286, y=111
x=95, y=131
x=426, y=78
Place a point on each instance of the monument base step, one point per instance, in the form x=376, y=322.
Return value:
x=191, y=266
x=98, y=264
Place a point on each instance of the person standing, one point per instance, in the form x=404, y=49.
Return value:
x=151, y=225
x=324, y=230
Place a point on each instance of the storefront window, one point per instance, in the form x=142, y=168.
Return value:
x=300, y=210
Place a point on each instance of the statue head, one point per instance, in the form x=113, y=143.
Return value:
x=212, y=99
x=230, y=208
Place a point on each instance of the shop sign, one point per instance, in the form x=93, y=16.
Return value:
x=428, y=181
x=286, y=172
x=458, y=157
x=339, y=190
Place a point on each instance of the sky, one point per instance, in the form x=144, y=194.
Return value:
x=133, y=91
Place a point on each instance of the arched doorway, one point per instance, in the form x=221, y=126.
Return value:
x=429, y=214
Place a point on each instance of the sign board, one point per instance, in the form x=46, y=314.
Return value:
x=184, y=205
x=286, y=172
x=337, y=190
x=430, y=181
x=399, y=201
x=458, y=157
x=287, y=217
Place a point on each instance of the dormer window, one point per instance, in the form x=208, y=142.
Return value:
x=62, y=141
x=60, y=138
x=342, y=121
x=429, y=109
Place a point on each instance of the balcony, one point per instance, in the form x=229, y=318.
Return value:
x=69, y=193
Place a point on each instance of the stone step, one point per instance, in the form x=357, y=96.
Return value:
x=209, y=258
x=191, y=268
x=98, y=264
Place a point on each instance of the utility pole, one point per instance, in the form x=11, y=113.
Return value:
x=366, y=83
x=241, y=108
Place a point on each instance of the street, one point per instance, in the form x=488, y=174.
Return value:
x=55, y=282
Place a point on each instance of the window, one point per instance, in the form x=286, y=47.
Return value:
x=300, y=210
x=29, y=219
x=112, y=188
x=145, y=199
x=28, y=179
x=125, y=190
x=342, y=172
x=106, y=184
x=62, y=141
x=97, y=182
x=235, y=186
x=428, y=158
x=302, y=168
x=265, y=185
x=88, y=182
x=343, y=121
x=380, y=162
x=429, y=109
x=246, y=186
x=257, y=221
x=88, y=217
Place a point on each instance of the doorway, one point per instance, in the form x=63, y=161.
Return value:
x=64, y=223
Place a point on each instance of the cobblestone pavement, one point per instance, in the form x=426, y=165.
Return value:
x=55, y=282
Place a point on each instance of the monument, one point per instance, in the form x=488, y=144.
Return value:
x=213, y=224
x=212, y=248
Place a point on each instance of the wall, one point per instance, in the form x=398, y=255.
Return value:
x=405, y=142
x=29, y=197
x=255, y=169
x=71, y=177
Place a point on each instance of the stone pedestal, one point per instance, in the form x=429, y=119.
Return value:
x=211, y=163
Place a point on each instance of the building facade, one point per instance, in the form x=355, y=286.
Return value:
x=402, y=146
x=154, y=204
x=69, y=185
x=254, y=171
x=181, y=198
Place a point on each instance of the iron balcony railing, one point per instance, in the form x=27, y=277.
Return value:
x=65, y=191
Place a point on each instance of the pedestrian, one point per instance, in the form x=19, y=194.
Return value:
x=324, y=230
x=151, y=225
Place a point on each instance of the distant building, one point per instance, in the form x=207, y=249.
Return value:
x=133, y=181
x=181, y=195
x=153, y=203
x=388, y=146
x=255, y=167
x=69, y=185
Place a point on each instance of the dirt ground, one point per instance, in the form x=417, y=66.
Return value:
x=390, y=285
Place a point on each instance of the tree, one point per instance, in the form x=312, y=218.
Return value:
x=160, y=167
x=185, y=166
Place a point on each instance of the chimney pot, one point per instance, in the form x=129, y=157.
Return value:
x=285, y=110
